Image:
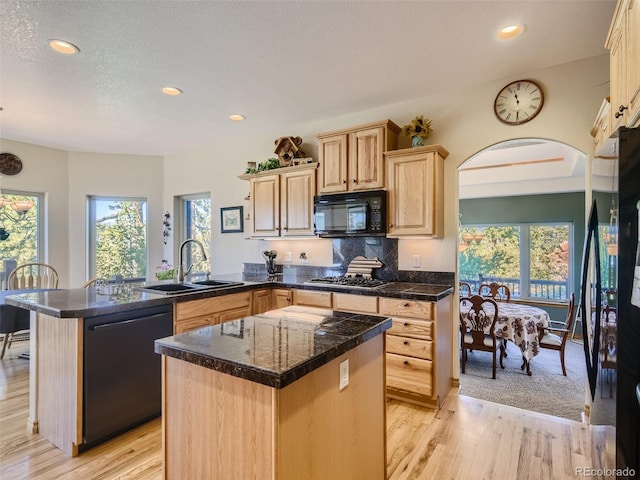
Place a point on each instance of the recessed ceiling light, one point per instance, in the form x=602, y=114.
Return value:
x=510, y=31
x=236, y=117
x=63, y=47
x=173, y=91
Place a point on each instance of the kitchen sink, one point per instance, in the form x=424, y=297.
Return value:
x=177, y=288
x=215, y=283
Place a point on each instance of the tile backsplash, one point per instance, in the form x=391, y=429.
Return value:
x=346, y=249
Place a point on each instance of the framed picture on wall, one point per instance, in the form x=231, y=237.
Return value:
x=231, y=220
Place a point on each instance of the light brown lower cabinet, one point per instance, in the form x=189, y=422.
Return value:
x=281, y=297
x=312, y=298
x=210, y=311
x=261, y=300
x=216, y=425
x=419, y=354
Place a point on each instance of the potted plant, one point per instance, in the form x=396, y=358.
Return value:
x=418, y=130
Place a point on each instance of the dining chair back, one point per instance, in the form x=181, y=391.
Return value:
x=608, y=347
x=464, y=289
x=498, y=292
x=609, y=314
x=478, y=317
x=555, y=338
x=95, y=282
x=29, y=276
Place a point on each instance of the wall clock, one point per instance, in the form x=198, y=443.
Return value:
x=10, y=164
x=518, y=102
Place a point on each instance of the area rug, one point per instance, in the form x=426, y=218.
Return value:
x=545, y=391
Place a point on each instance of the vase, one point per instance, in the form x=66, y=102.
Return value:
x=417, y=141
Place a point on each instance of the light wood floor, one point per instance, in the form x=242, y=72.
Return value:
x=466, y=439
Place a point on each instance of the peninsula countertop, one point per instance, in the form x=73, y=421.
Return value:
x=274, y=348
x=85, y=302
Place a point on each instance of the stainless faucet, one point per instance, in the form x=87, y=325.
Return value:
x=181, y=270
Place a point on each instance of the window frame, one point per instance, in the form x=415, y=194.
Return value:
x=40, y=220
x=91, y=270
x=183, y=221
x=525, y=259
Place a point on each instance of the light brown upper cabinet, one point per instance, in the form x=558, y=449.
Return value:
x=353, y=159
x=415, y=186
x=623, y=43
x=282, y=201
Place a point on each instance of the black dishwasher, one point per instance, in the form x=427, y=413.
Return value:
x=122, y=373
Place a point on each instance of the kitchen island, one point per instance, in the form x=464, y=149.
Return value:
x=292, y=393
x=421, y=314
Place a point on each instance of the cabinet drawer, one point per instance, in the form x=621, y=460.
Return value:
x=205, y=306
x=397, y=307
x=312, y=299
x=196, y=322
x=355, y=303
x=411, y=347
x=409, y=374
x=412, y=327
x=234, y=314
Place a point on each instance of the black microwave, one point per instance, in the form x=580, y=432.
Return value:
x=357, y=214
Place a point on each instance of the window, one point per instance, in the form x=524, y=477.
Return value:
x=20, y=232
x=196, y=223
x=118, y=237
x=533, y=260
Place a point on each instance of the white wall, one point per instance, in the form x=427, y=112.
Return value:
x=112, y=175
x=464, y=124
x=463, y=121
x=45, y=170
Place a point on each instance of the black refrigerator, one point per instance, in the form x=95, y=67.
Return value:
x=628, y=302
x=622, y=402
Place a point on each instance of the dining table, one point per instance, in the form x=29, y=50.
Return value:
x=519, y=323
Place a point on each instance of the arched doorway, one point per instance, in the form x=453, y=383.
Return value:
x=511, y=195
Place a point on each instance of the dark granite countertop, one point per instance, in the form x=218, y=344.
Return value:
x=86, y=302
x=274, y=348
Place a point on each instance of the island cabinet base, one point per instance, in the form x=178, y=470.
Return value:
x=219, y=426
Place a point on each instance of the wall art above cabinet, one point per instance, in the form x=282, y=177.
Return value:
x=353, y=158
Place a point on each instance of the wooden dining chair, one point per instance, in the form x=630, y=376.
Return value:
x=27, y=276
x=95, y=282
x=478, y=317
x=555, y=338
x=498, y=292
x=464, y=289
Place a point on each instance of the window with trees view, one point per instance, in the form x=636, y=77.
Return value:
x=196, y=211
x=118, y=237
x=20, y=220
x=534, y=261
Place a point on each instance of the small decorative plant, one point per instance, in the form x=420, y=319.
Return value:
x=167, y=271
x=269, y=164
x=419, y=127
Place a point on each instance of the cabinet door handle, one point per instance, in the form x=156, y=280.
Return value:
x=353, y=180
x=406, y=324
x=406, y=362
x=620, y=111
x=405, y=304
x=344, y=181
x=405, y=342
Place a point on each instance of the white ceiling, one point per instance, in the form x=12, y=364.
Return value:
x=285, y=63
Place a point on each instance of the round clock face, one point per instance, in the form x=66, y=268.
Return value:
x=518, y=102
